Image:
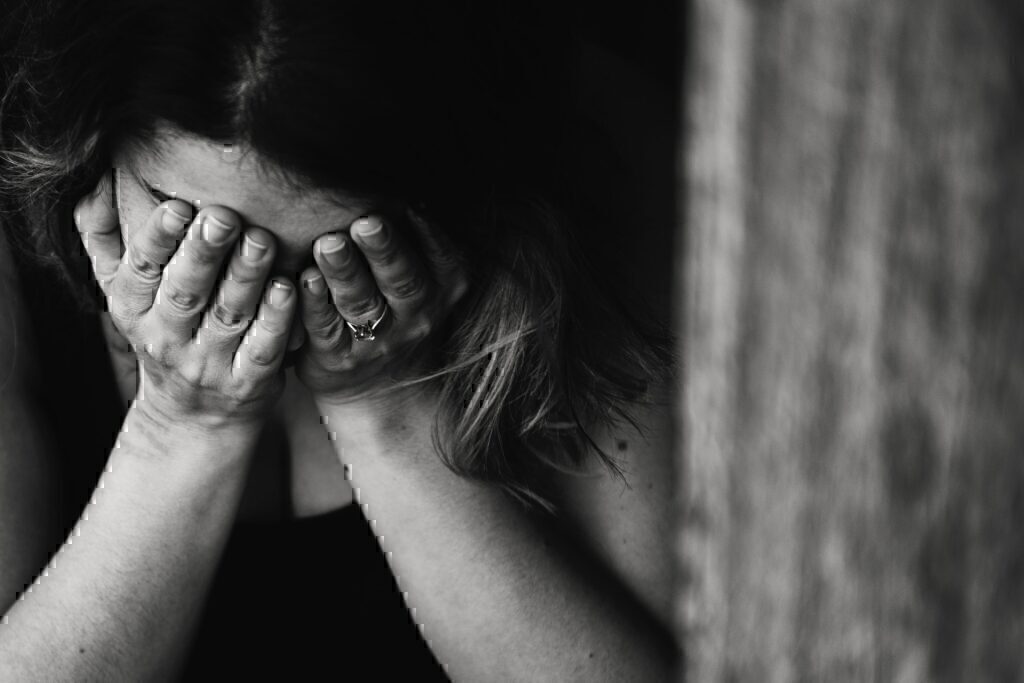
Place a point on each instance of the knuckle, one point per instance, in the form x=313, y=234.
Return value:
x=122, y=321
x=335, y=362
x=348, y=277
x=261, y=355
x=383, y=349
x=249, y=392
x=420, y=329
x=121, y=308
x=359, y=310
x=244, y=388
x=182, y=300
x=407, y=287
x=226, y=316
x=204, y=254
x=273, y=325
x=387, y=256
x=243, y=275
x=192, y=371
x=105, y=275
x=161, y=352
x=346, y=364
x=143, y=266
x=327, y=327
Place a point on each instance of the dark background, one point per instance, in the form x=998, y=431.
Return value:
x=646, y=34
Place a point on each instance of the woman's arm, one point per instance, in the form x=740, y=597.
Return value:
x=120, y=599
x=500, y=595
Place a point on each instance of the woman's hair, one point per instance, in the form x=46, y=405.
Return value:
x=463, y=110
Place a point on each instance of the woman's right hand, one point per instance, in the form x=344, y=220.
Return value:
x=201, y=362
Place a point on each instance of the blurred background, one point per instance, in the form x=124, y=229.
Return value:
x=851, y=300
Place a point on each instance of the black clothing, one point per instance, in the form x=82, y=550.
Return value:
x=308, y=599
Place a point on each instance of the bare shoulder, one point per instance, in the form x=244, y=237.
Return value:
x=627, y=521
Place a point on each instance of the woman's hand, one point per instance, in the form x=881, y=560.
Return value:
x=370, y=304
x=186, y=324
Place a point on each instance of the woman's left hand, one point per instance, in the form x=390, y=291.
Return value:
x=370, y=304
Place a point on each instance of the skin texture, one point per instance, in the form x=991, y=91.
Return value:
x=501, y=594
x=370, y=266
x=585, y=599
x=204, y=173
x=121, y=603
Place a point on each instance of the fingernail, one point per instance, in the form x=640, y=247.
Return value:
x=280, y=292
x=185, y=218
x=315, y=284
x=216, y=231
x=174, y=220
x=252, y=248
x=372, y=231
x=334, y=249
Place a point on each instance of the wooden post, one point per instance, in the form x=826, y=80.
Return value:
x=852, y=408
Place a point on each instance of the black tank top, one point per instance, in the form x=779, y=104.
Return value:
x=298, y=599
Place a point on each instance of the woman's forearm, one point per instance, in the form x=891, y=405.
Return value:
x=500, y=597
x=121, y=598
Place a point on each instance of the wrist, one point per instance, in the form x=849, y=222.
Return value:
x=393, y=424
x=155, y=435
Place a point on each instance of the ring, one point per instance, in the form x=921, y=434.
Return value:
x=364, y=331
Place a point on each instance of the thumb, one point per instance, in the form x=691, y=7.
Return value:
x=97, y=222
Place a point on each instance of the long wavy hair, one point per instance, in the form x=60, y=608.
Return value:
x=460, y=109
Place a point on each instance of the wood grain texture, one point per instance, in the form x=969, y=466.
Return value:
x=852, y=479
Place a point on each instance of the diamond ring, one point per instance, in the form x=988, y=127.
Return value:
x=365, y=331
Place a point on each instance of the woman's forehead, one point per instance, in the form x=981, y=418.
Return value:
x=205, y=172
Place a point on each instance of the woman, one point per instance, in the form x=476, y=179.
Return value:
x=343, y=244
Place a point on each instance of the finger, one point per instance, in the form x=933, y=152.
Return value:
x=97, y=223
x=397, y=271
x=326, y=332
x=262, y=349
x=443, y=257
x=351, y=284
x=190, y=276
x=140, y=271
x=237, y=298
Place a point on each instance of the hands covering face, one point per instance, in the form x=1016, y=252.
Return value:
x=371, y=302
x=193, y=296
